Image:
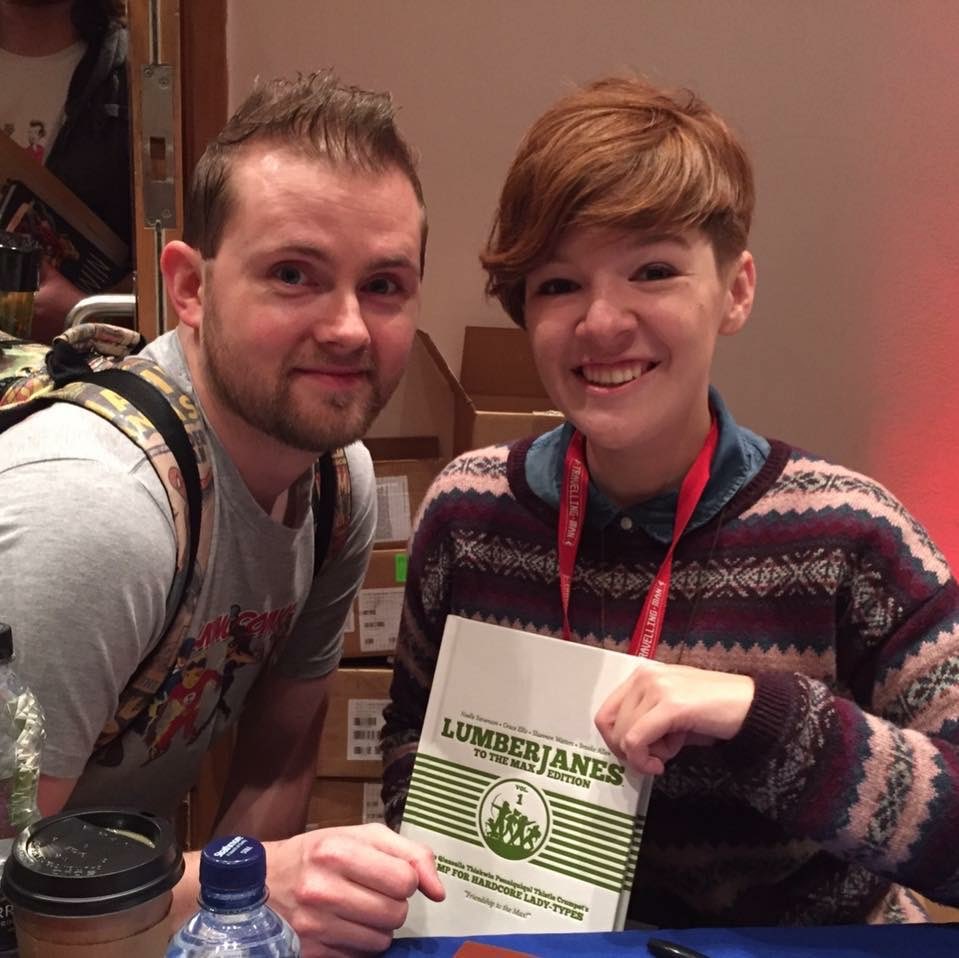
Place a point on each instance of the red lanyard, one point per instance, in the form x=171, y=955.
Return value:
x=572, y=512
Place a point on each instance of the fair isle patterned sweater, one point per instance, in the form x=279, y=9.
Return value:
x=842, y=789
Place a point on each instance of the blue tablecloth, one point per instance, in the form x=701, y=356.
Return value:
x=890, y=941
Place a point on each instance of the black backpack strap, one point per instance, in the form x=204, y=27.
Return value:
x=324, y=506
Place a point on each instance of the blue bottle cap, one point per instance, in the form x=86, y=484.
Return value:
x=233, y=873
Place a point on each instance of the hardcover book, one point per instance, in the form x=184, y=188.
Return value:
x=76, y=241
x=535, y=824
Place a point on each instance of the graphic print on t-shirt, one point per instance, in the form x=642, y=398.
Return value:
x=197, y=689
x=37, y=140
x=32, y=110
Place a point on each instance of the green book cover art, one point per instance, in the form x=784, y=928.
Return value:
x=535, y=824
x=519, y=821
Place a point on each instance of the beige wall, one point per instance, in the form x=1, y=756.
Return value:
x=850, y=110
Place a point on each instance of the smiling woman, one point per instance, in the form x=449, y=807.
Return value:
x=798, y=701
x=623, y=329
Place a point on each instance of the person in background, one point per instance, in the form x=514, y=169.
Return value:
x=800, y=709
x=64, y=98
x=297, y=289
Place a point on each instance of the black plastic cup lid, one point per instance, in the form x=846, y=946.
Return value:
x=19, y=263
x=92, y=862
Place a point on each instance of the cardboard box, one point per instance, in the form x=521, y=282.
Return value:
x=498, y=395
x=374, y=621
x=350, y=744
x=404, y=468
x=344, y=801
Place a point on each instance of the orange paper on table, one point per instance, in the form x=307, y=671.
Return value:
x=478, y=949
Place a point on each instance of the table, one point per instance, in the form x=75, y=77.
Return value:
x=846, y=941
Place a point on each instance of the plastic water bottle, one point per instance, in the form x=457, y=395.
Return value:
x=21, y=741
x=234, y=920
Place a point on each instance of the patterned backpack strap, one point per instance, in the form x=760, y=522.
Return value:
x=21, y=363
x=29, y=369
x=92, y=366
x=332, y=506
x=136, y=396
x=192, y=504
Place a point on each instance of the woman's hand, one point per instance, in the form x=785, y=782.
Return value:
x=661, y=708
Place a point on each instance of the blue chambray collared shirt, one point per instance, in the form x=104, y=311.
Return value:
x=739, y=456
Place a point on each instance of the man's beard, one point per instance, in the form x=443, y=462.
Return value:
x=269, y=405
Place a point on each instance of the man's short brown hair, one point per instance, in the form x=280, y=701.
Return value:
x=618, y=153
x=314, y=115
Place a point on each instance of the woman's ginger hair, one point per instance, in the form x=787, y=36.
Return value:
x=623, y=154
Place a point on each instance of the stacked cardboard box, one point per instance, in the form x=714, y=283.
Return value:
x=404, y=469
x=349, y=762
x=497, y=397
x=374, y=621
x=344, y=801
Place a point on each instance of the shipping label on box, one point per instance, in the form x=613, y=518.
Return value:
x=393, y=510
x=373, y=808
x=374, y=622
x=401, y=485
x=350, y=746
x=364, y=723
x=380, y=613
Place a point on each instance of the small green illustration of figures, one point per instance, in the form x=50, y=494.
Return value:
x=513, y=819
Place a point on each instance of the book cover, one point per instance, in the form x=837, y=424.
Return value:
x=535, y=825
x=78, y=243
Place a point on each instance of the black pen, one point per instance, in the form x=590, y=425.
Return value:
x=671, y=949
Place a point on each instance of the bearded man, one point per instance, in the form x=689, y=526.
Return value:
x=297, y=288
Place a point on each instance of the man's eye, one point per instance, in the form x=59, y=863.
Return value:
x=290, y=275
x=382, y=286
x=555, y=287
x=654, y=271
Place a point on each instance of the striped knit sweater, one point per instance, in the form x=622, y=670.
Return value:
x=842, y=789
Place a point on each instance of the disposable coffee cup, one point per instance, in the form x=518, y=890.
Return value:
x=94, y=883
x=19, y=280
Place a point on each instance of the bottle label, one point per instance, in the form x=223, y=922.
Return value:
x=8, y=937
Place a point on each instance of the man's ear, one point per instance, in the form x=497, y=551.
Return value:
x=182, y=268
x=740, y=292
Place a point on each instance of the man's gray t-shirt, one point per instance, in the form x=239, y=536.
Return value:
x=87, y=553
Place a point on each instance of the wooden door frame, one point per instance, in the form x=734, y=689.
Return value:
x=189, y=37
x=205, y=79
